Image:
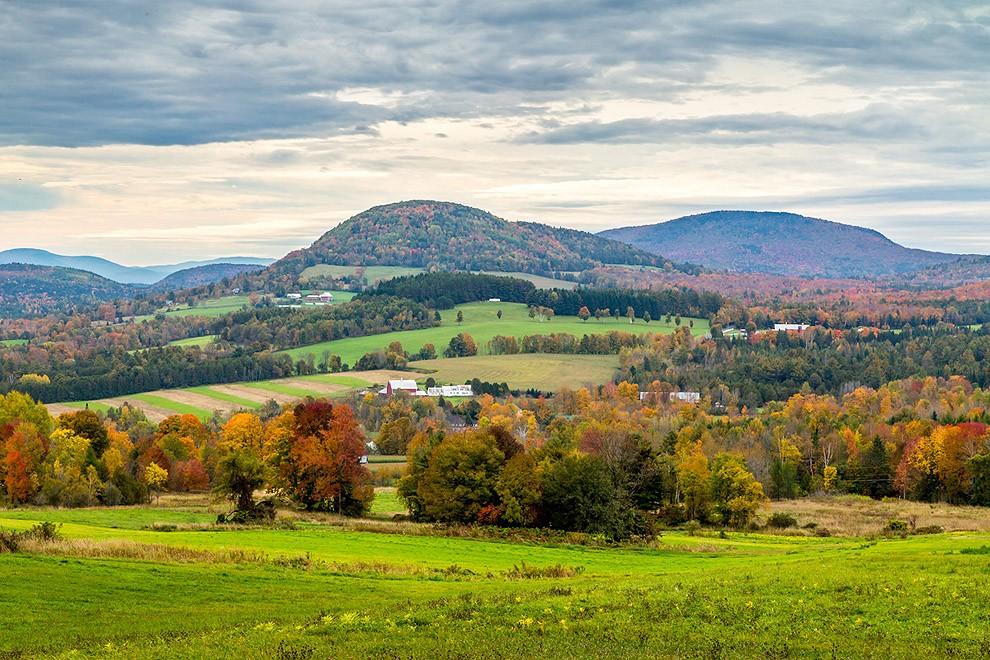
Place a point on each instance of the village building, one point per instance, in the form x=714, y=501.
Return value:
x=407, y=386
x=450, y=390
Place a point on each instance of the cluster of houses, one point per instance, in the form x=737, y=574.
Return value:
x=682, y=397
x=298, y=299
x=408, y=386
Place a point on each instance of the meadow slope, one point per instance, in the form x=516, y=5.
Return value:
x=482, y=323
x=334, y=588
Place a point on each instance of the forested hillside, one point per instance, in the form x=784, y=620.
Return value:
x=27, y=290
x=455, y=237
x=779, y=243
x=202, y=275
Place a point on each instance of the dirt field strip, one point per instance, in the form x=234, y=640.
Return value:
x=248, y=393
x=56, y=409
x=382, y=376
x=314, y=386
x=256, y=393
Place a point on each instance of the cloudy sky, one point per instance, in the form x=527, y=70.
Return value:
x=149, y=132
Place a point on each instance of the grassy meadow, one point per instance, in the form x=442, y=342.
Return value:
x=482, y=323
x=544, y=372
x=372, y=273
x=162, y=581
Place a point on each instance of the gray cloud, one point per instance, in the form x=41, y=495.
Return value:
x=83, y=73
x=872, y=123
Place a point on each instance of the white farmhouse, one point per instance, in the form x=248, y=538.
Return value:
x=450, y=390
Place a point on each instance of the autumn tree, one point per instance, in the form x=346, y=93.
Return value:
x=461, y=345
x=155, y=478
x=584, y=313
x=322, y=469
x=242, y=431
x=460, y=478
x=239, y=473
x=736, y=494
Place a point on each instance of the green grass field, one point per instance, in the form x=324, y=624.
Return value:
x=544, y=372
x=194, y=341
x=117, y=589
x=371, y=273
x=12, y=342
x=539, y=281
x=176, y=407
x=226, y=397
x=481, y=322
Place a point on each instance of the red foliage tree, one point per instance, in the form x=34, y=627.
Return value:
x=323, y=468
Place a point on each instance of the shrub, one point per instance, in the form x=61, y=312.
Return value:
x=823, y=532
x=895, y=526
x=692, y=527
x=930, y=529
x=781, y=520
x=45, y=532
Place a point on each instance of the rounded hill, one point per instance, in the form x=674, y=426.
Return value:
x=777, y=243
x=451, y=236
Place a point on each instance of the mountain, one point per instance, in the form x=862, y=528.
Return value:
x=202, y=275
x=97, y=265
x=778, y=243
x=111, y=270
x=27, y=289
x=168, y=269
x=456, y=237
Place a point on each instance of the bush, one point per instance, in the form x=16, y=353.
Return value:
x=895, y=526
x=823, y=532
x=782, y=521
x=930, y=529
x=46, y=532
x=692, y=527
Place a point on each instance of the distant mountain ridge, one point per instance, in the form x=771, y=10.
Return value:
x=779, y=243
x=112, y=270
x=202, y=275
x=424, y=233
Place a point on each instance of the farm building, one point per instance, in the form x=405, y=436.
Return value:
x=324, y=298
x=684, y=397
x=450, y=390
x=790, y=327
x=402, y=385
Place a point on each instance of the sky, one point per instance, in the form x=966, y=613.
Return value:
x=153, y=132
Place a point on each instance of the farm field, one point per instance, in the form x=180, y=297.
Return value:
x=194, y=341
x=539, y=371
x=12, y=342
x=203, y=400
x=225, y=305
x=539, y=281
x=372, y=273
x=481, y=322
x=332, y=588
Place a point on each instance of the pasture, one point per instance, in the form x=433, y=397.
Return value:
x=539, y=371
x=482, y=323
x=373, y=274
x=194, y=341
x=161, y=581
